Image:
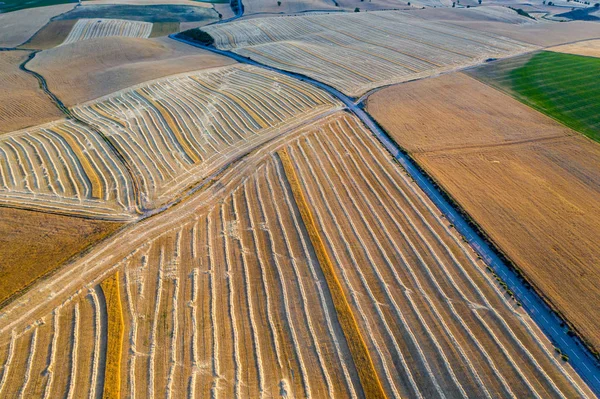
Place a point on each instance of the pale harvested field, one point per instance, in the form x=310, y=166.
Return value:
x=64, y=167
x=178, y=130
x=487, y=13
x=589, y=48
x=34, y=243
x=22, y=102
x=151, y=2
x=224, y=295
x=100, y=67
x=355, y=52
x=86, y=29
x=530, y=183
x=543, y=34
x=17, y=27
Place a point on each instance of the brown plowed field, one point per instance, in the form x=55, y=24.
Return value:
x=529, y=182
x=22, y=102
x=34, y=243
x=50, y=35
x=98, y=67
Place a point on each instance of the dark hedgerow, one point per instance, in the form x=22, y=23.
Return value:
x=198, y=35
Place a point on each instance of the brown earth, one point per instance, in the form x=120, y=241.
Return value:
x=590, y=48
x=50, y=35
x=34, y=243
x=99, y=67
x=528, y=181
x=22, y=102
x=164, y=28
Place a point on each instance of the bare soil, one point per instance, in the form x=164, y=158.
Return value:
x=22, y=102
x=34, y=243
x=589, y=48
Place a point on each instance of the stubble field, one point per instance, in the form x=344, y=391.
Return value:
x=225, y=295
x=357, y=52
x=528, y=181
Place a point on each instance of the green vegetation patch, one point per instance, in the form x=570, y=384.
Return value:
x=15, y=5
x=562, y=86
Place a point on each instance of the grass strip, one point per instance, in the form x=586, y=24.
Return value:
x=114, y=344
x=369, y=380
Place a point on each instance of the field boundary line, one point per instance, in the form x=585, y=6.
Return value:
x=369, y=379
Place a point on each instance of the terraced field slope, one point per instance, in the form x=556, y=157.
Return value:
x=360, y=51
x=86, y=29
x=22, y=102
x=529, y=182
x=559, y=85
x=224, y=295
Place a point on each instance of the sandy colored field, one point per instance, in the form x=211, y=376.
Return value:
x=589, y=48
x=164, y=28
x=34, y=243
x=224, y=296
x=486, y=13
x=50, y=35
x=543, y=34
x=17, y=27
x=100, y=67
x=22, y=102
x=335, y=48
x=535, y=192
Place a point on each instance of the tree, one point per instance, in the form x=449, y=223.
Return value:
x=453, y=4
x=597, y=5
x=357, y=9
x=409, y=3
x=479, y=1
x=279, y=4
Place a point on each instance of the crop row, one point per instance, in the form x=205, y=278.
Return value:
x=85, y=29
x=436, y=320
x=356, y=52
x=177, y=129
x=64, y=167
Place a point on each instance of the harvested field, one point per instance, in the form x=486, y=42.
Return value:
x=479, y=14
x=34, y=243
x=553, y=83
x=50, y=36
x=22, y=102
x=115, y=329
x=590, y=48
x=17, y=27
x=544, y=33
x=335, y=49
x=14, y=5
x=179, y=130
x=100, y=67
x=534, y=193
x=64, y=167
x=86, y=29
x=226, y=296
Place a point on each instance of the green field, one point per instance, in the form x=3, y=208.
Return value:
x=562, y=86
x=14, y=5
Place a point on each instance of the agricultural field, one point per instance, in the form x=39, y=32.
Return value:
x=590, y=48
x=164, y=12
x=529, y=182
x=226, y=295
x=99, y=67
x=86, y=29
x=554, y=83
x=22, y=103
x=336, y=49
x=18, y=26
x=51, y=35
x=14, y=5
x=179, y=130
x=33, y=244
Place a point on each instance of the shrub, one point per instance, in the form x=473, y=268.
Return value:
x=198, y=35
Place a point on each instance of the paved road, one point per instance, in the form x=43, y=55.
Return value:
x=579, y=356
